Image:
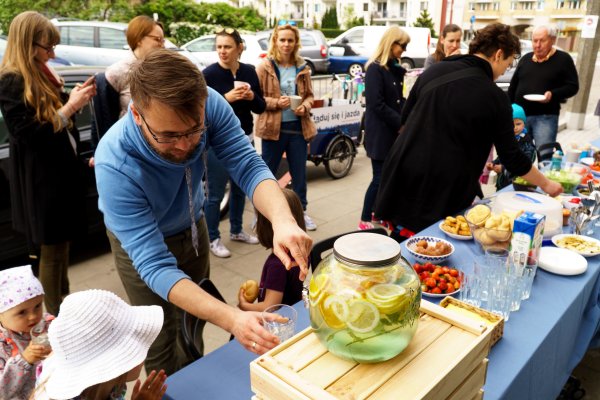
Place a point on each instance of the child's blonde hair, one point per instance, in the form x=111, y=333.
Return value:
x=264, y=229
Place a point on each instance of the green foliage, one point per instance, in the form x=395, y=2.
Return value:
x=351, y=20
x=332, y=33
x=329, y=20
x=425, y=21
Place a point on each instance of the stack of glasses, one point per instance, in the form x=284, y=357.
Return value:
x=497, y=284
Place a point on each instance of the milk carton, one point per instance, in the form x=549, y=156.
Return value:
x=528, y=233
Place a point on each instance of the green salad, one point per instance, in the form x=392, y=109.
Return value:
x=568, y=180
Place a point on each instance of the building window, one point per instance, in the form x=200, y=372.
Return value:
x=527, y=6
x=365, y=6
x=402, y=10
x=513, y=5
x=382, y=10
x=574, y=4
x=540, y=4
x=424, y=5
x=472, y=6
x=317, y=7
x=560, y=4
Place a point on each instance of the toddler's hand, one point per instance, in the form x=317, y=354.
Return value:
x=153, y=388
x=35, y=352
x=489, y=166
x=242, y=302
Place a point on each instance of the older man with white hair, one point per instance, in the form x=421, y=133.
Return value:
x=548, y=72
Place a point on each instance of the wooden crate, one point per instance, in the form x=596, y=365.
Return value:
x=495, y=321
x=446, y=360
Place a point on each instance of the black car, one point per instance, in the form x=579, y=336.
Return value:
x=13, y=247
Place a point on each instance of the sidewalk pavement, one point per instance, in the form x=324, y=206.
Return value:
x=335, y=206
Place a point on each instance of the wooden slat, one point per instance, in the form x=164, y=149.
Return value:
x=267, y=386
x=436, y=372
x=303, y=352
x=479, y=395
x=461, y=321
x=326, y=370
x=292, y=378
x=472, y=385
x=366, y=378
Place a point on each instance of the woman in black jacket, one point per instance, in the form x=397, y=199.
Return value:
x=453, y=116
x=383, y=91
x=46, y=186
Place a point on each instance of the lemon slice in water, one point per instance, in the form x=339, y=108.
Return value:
x=363, y=316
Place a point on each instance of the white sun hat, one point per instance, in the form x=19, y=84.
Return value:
x=97, y=337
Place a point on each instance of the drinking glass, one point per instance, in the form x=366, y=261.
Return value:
x=469, y=288
x=284, y=325
x=528, y=274
x=39, y=334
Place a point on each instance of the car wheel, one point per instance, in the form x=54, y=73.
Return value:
x=224, y=206
x=339, y=157
x=313, y=71
x=355, y=69
x=407, y=63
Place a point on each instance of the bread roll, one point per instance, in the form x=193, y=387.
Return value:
x=250, y=290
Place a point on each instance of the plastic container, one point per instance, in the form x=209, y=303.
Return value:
x=533, y=202
x=364, y=299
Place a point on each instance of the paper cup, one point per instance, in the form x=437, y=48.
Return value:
x=295, y=102
x=573, y=155
x=238, y=84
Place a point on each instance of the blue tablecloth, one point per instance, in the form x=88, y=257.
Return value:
x=542, y=342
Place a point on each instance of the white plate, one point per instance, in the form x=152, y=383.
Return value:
x=454, y=235
x=587, y=161
x=534, y=97
x=562, y=261
x=556, y=238
x=439, y=294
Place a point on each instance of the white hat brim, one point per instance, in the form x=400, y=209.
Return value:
x=68, y=380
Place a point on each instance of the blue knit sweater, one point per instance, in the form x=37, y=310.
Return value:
x=144, y=197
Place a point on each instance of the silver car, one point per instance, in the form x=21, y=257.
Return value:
x=99, y=43
x=314, y=48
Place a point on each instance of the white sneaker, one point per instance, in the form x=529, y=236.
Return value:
x=310, y=224
x=218, y=249
x=244, y=237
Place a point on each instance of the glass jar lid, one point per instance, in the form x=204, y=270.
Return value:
x=368, y=249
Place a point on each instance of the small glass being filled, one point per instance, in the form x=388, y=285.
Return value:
x=39, y=334
x=284, y=325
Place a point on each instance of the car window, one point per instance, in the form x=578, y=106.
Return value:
x=264, y=44
x=112, y=38
x=206, y=44
x=307, y=40
x=77, y=36
x=356, y=37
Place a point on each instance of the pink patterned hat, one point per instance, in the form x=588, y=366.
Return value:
x=18, y=285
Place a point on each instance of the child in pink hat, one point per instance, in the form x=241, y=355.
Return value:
x=21, y=297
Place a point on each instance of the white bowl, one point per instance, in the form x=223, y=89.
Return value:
x=422, y=258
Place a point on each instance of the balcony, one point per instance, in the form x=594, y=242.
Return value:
x=389, y=16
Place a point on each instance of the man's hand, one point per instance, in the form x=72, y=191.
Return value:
x=248, y=330
x=552, y=188
x=153, y=388
x=35, y=352
x=292, y=246
x=548, y=97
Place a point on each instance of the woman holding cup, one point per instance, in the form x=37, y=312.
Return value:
x=238, y=83
x=286, y=126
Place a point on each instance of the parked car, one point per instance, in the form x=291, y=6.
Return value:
x=13, y=246
x=364, y=40
x=55, y=62
x=314, y=48
x=204, y=49
x=340, y=62
x=99, y=43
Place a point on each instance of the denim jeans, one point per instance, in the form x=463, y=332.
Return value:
x=371, y=193
x=217, y=177
x=295, y=149
x=543, y=128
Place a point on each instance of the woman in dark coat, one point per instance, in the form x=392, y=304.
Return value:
x=453, y=116
x=384, y=84
x=46, y=186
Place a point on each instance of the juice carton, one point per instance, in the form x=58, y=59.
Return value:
x=528, y=233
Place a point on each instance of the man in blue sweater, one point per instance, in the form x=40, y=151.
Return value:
x=149, y=169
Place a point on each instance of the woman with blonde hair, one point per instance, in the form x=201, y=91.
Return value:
x=284, y=128
x=46, y=184
x=384, y=83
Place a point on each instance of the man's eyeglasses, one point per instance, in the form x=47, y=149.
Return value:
x=228, y=31
x=49, y=49
x=403, y=45
x=158, y=39
x=172, y=137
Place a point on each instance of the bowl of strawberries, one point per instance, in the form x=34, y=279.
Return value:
x=437, y=280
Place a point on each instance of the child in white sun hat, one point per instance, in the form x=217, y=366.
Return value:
x=99, y=343
x=21, y=297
